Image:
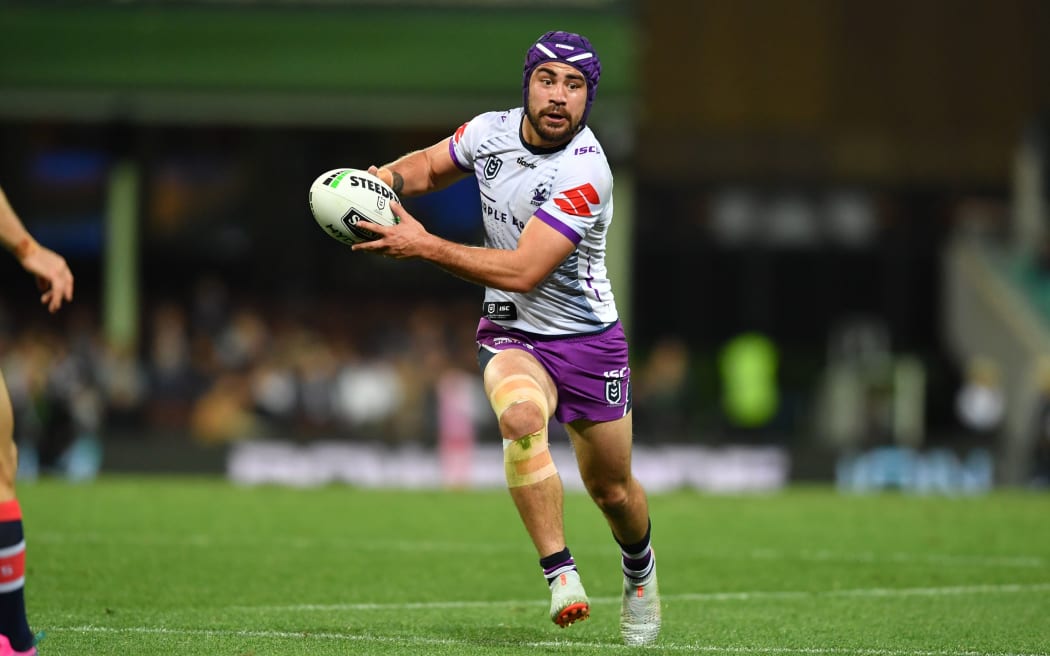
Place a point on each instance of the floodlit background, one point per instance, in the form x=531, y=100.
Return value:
x=831, y=247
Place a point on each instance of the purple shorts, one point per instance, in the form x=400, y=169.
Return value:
x=590, y=371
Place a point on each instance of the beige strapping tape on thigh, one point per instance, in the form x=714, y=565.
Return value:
x=526, y=460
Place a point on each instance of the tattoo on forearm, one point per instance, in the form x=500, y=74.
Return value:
x=398, y=182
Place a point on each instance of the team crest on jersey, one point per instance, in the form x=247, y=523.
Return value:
x=540, y=195
x=492, y=167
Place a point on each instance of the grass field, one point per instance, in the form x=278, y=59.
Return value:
x=186, y=566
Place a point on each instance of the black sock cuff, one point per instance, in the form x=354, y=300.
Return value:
x=555, y=559
x=639, y=546
x=11, y=533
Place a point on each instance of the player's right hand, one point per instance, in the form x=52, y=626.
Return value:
x=406, y=240
x=52, y=274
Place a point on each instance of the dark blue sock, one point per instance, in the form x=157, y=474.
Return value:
x=13, y=622
x=638, y=557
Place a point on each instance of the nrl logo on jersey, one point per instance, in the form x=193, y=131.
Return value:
x=492, y=167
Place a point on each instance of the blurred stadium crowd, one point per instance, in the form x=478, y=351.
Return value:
x=220, y=365
x=222, y=369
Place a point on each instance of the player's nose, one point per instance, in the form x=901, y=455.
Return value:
x=559, y=93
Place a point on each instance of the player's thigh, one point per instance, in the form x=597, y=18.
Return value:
x=8, y=451
x=603, y=451
x=516, y=362
x=7, y=415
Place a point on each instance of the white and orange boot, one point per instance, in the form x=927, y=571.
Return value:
x=569, y=601
x=640, y=610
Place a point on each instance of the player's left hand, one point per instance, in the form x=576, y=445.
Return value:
x=383, y=173
x=406, y=240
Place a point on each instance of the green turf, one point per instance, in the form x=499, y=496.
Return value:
x=134, y=566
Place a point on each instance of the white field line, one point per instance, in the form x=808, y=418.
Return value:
x=1009, y=588
x=903, y=558
x=546, y=644
x=411, y=546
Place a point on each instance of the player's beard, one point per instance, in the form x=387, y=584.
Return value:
x=553, y=136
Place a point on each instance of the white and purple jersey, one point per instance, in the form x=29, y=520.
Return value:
x=570, y=189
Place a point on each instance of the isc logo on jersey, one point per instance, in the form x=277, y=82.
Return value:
x=578, y=200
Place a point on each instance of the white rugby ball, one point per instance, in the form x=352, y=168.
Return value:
x=345, y=201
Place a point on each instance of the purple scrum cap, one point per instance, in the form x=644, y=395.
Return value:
x=567, y=48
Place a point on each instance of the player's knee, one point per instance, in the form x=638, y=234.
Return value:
x=521, y=419
x=527, y=459
x=611, y=498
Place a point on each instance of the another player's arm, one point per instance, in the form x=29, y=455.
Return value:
x=13, y=234
x=52, y=274
x=540, y=249
x=421, y=171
